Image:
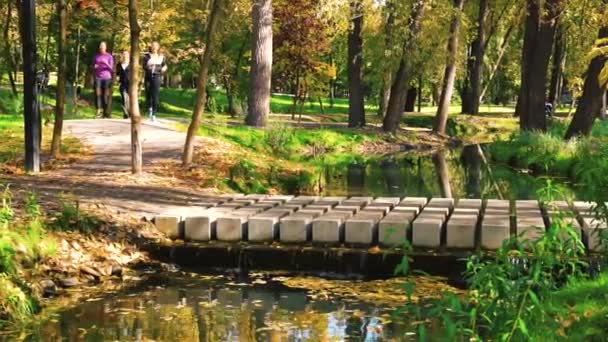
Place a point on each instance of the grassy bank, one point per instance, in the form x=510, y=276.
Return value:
x=48, y=250
x=584, y=160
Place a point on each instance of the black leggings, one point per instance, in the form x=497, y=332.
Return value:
x=103, y=92
x=153, y=93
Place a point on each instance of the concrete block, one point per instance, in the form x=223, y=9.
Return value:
x=361, y=198
x=460, y=232
x=338, y=199
x=498, y=204
x=326, y=203
x=494, y=232
x=529, y=232
x=370, y=214
x=406, y=209
x=329, y=228
x=263, y=227
x=295, y=228
x=435, y=210
x=231, y=205
x=384, y=209
x=432, y=215
x=352, y=209
x=311, y=212
x=497, y=211
x=355, y=203
x=594, y=236
x=322, y=208
x=392, y=201
x=307, y=198
x=393, y=229
x=426, y=232
x=256, y=197
x=245, y=201
x=400, y=215
x=465, y=211
x=168, y=225
x=361, y=229
x=292, y=207
x=469, y=203
x=439, y=202
x=528, y=213
x=199, y=228
x=413, y=202
x=231, y=228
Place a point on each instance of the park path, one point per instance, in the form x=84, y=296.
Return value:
x=103, y=180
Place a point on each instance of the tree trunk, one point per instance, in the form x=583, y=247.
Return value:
x=591, y=101
x=450, y=71
x=61, y=78
x=465, y=85
x=538, y=43
x=136, y=148
x=396, y=102
x=478, y=53
x=261, y=64
x=233, y=108
x=410, y=99
x=201, y=93
x=356, y=106
x=501, y=53
x=7, y=48
x=557, y=69
x=385, y=89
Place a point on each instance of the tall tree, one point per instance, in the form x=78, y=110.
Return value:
x=594, y=90
x=201, y=86
x=356, y=105
x=7, y=47
x=61, y=78
x=385, y=89
x=398, y=96
x=31, y=114
x=475, y=64
x=540, y=26
x=261, y=64
x=557, y=69
x=449, y=77
x=134, y=77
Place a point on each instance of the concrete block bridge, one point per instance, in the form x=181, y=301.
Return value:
x=348, y=234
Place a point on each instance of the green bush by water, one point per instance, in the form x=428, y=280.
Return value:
x=527, y=291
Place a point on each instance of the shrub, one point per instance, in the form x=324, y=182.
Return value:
x=12, y=104
x=278, y=138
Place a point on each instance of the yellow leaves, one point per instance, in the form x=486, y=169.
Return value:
x=382, y=292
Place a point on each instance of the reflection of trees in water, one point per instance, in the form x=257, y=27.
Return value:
x=471, y=161
x=443, y=174
x=355, y=179
x=393, y=177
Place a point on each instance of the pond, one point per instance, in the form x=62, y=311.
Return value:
x=462, y=173
x=220, y=308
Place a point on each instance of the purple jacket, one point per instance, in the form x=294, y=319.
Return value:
x=104, y=66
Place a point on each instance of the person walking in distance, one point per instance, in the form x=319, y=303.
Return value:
x=154, y=66
x=122, y=71
x=103, y=65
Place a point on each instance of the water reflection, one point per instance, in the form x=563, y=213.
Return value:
x=213, y=311
x=461, y=173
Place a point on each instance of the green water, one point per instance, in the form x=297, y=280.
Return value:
x=462, y=173
x=193, y=309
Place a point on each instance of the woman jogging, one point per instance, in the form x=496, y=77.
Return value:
x=154, y=66
x=103, y=65
x=122, y=71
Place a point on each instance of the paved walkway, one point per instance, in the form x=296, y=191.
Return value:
x=105, y=180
